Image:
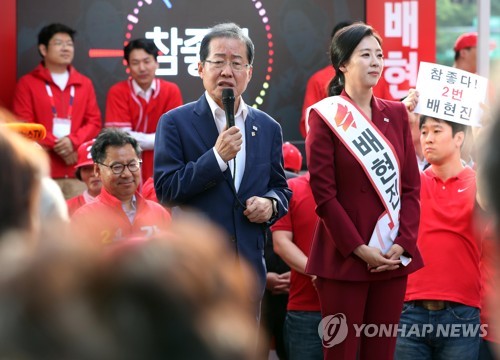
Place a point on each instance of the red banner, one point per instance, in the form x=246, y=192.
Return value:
x=408, y=30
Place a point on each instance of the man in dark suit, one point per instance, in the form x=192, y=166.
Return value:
x=233, y=175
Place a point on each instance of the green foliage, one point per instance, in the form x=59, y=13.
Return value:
x=455, y=18
x=455, y=14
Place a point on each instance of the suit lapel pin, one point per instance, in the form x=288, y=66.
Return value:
x=254, y=128
x=253, y=133
x=386, y=119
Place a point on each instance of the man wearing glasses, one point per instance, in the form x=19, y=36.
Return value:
x=57, y=96
x=119, y=212
x=232, y=174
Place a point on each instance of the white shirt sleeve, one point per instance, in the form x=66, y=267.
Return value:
x=146, y=141
x=222, y=164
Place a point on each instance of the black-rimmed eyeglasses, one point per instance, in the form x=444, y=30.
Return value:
x=119, y=168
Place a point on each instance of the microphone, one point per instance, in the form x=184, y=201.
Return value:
x=228, y=102
x=30, y=130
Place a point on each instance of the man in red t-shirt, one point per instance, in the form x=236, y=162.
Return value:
x=440, y=317
x=292, y=237
x=136, y=104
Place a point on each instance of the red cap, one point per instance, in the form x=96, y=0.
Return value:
x=292, y=157
x=466, y=40
x=469, y=40
x=84, y=157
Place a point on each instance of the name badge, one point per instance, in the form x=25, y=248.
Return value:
x=61, y=127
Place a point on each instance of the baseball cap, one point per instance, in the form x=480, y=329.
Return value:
x=292, y=157
x=468, y=40
x=84, y=157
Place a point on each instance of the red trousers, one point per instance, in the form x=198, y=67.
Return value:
x=365, y=305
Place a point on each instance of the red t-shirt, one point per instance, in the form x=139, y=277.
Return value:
x=448, y=241
x=301, y=220
x=148, y=190
x=75, y=203
x=316, y=90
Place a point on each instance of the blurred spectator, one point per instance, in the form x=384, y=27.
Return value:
x=24, y=166
x=292, y=159
x=119, y=211
x=84, y=171
x=52, y=206
x=490, y=296
x=180, y=296
x=63, y=100
x=136, y=104
x=317, y=85
x=489, y=178
x=148, y=190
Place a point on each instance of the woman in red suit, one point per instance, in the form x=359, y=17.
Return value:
x=362, y=285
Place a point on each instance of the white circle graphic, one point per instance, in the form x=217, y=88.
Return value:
x=332, y=329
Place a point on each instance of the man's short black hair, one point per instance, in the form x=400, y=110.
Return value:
x=49, y=31
x=112, y=137
x=145, y=44
x=455, y=127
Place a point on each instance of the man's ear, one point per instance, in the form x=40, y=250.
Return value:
x=43, y=49
x=463, y=52
x=97, y=170
x=460, y=138
x=200, y=69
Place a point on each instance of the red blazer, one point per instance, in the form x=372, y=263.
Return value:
x=347, y=203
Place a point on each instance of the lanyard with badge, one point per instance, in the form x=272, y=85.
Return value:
x=61, y=126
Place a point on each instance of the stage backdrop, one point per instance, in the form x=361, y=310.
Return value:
x=291, y=39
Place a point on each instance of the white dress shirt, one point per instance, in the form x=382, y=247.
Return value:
x=145, y=94
x=239, y=121
x=146, y=141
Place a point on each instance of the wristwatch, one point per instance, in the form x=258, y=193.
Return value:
x=275, y=208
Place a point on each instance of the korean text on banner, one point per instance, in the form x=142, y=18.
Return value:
x=450, y=94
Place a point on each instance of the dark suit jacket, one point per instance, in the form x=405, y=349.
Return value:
x=186, y=173
x=347, y=203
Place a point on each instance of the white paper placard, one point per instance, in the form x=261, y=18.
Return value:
x=450, y=94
